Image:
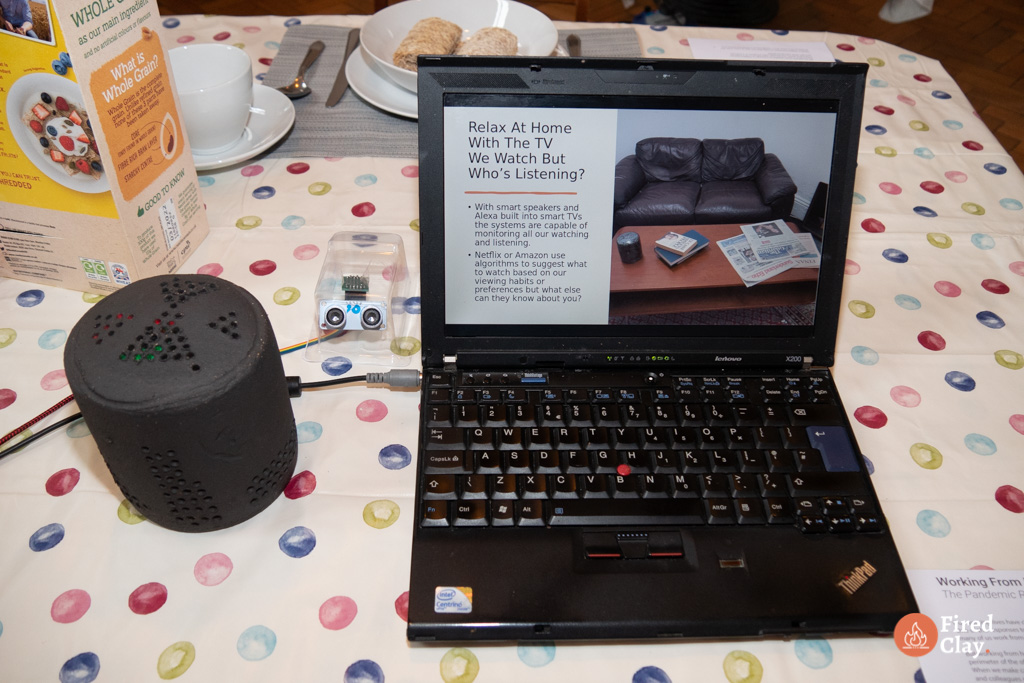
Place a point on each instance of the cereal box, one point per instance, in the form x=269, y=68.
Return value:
x=97, y=183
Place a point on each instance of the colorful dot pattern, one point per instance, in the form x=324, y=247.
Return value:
x=929, y=360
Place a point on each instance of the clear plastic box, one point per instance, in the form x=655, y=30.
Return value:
x=360, y=301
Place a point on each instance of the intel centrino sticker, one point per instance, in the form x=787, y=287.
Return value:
x=453, y=600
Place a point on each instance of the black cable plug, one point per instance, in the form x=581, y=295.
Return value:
x=391, y=378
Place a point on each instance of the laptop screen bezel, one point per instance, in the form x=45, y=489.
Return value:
x=451, y=81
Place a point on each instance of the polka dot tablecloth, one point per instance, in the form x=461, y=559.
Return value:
x=930, y=360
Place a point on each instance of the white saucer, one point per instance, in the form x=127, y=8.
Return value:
x=378, y=89
x=272, y=116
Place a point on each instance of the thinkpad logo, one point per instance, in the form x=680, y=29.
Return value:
x=852, y=582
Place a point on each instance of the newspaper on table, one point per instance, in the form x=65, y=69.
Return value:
x=772, y=241
x=763, y=250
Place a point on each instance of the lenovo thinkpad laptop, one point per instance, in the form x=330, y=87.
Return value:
x=631, y=284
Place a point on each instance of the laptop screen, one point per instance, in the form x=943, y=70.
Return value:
x=583, y=206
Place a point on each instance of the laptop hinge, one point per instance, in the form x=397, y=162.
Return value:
x=808, y=362
x=450, y=363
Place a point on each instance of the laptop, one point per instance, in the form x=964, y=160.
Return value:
x=613, y=447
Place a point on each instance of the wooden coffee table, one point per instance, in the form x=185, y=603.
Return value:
x=704, y=282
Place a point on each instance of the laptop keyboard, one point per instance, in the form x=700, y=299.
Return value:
x=528, y=450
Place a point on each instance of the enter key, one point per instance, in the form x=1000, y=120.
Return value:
x=835, y=447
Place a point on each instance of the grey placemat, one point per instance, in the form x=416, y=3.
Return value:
x=355, y=128
x=350, y=128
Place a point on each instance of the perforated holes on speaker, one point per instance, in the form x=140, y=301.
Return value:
x=107, y=325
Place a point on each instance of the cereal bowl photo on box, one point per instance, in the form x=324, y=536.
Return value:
x=46, y=117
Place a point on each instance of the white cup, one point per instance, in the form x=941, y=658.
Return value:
x=214, y=84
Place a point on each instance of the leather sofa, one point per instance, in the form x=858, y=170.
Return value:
x=686, y=181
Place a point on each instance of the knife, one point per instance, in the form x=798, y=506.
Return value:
x=572, y=42
x=341, y=82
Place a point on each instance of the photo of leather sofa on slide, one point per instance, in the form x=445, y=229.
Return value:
x=689, y=181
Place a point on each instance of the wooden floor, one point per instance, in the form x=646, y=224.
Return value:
x=979, y=42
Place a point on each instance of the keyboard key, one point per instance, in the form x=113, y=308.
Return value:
x=530, y=513
x=808, y=460
x=868, y=522
x=635, y=414
x=750, y=512
x=664, y=414
x=577, y=462
x=579, y=415
x=607, y=415
x=439, y=379
x=654, y=486
x=834, y=445
x=825, y=483
x=471, y=513
x=445, y=461
x=685, y=486
x=695, y=461
x=510, y=437
x=535, y=486
x=517, y=462
x=712, y=437
x=440, y=416
x=773, y=484
x=439, y=487
x=595, y=486
x=598, y=437
x=435, y=513
x=552, y=414
x=816, y=414
x=445, y=438
x=473, y=486
x=724, y=461
x=481, y=437
x=752, y=461
x=716, y=486
x=639, y=462
x=494, y=415
x=745, y=485
x=567, y=437
x=812, y=524
x=780, y=510
x=502, y=513
x=655, y=437
x=680, y=511
x=564, y=486
x=625, y=486
x=840, y=524
x=548, y=462
x=721, y=511
x=439, y=395
x=666, y=461
x=503, y=486
x=488, y=462
x=466, y=415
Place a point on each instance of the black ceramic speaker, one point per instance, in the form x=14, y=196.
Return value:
x=180, y=381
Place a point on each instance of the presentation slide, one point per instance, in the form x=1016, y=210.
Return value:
x=528, y=197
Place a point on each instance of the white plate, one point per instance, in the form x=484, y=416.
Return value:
x=22, y=96
x=272, y=116
x=378, y=89
x=382, y=32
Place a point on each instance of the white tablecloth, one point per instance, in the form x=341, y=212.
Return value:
x=929, y=362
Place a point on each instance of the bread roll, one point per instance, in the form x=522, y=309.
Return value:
x=492, y=40
x=430, y=36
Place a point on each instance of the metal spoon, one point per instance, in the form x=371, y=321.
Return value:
x=298, y=87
